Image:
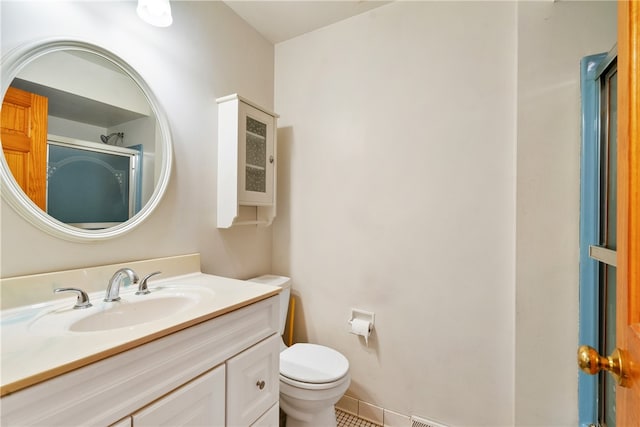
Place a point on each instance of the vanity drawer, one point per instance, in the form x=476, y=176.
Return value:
x=253, y=382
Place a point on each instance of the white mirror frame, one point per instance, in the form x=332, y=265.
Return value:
x=10, y=66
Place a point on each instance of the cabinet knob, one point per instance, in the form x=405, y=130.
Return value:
x=260, y=384
x=271, y=158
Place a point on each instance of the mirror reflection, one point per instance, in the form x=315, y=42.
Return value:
x=81, y=139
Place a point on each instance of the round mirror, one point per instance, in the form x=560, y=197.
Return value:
x=86, y=147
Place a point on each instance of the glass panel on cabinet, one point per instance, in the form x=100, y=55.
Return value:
x=256, y=156
x=256, y=179
x=256, y=150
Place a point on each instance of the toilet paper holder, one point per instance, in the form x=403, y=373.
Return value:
x=362, y=315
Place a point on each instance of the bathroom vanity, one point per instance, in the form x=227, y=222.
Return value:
x=214, y=361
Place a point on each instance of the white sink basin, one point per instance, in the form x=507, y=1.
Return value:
x=123, y=314
x=132, y=310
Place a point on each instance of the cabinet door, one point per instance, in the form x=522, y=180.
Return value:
x=200, y=402
x=270, y=419
x=256, y=156
x=125, y=422
x=253, y=382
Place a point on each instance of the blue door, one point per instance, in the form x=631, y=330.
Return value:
x=598, y=232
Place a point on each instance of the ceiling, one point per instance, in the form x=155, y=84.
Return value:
x=278, y=21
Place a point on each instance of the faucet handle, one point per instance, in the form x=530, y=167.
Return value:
x=143, y=289
x=82, y=300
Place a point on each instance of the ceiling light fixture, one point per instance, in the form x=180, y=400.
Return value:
x=155, y=12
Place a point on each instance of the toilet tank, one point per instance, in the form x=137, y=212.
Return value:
x=285, y=284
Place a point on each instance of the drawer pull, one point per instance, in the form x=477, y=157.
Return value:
x=260, y=384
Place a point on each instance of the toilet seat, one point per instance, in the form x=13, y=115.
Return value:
x=288, y=383
x=312, y=364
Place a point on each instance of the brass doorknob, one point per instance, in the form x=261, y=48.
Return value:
x=617, y=365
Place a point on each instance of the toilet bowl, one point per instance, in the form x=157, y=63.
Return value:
x=312, y=377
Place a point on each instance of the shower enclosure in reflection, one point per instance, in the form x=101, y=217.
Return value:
x=92, y=186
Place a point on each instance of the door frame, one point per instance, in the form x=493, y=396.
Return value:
x=591, y=69
x=589, y=220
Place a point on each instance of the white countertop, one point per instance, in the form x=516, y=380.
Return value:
x=33, y=354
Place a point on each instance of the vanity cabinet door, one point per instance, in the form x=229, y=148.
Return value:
x=270, y=419
x=126, y=422
x=253, y=382
x=200, y=402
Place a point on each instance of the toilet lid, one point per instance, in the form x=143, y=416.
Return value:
x=312, y=363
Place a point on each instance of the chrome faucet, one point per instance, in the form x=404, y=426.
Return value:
x=113, y=289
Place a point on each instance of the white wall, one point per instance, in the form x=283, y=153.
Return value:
x=208, y=52
x=397, y=152
x=552, y=38
x=400, y=194
x=397, y=188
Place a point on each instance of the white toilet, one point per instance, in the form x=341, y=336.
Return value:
x=312, y=377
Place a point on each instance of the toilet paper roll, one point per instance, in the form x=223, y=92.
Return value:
x=361, y=327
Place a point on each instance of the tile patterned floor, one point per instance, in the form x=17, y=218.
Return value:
x=344, y=420
x=348, y=420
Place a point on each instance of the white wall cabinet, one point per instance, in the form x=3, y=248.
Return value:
x=201, y=375
x=246, y=162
